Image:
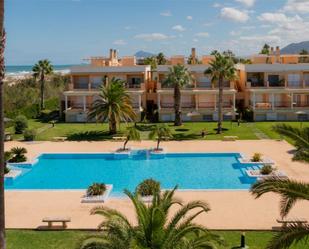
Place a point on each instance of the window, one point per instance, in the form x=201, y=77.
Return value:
x=96, y=82
x=294, y=80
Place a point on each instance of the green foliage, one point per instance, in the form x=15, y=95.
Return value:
x=266, y=169
x=7, y=157
x=291, y=192
x=265, y=49
x=257, y=157
x=160, y=132
x=161, y=60
x=21, y=123
x=132, y=133
x=152, y=61
x=29, y=134
x=96, y=189
x=301, y=138
x=18, y=155
x=114, y=104
x=156, y=227
x=148, y=187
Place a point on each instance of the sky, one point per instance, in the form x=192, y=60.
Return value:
x=66, y=31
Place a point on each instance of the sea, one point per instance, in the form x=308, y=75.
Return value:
x=27, y=69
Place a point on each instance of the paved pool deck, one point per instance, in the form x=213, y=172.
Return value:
x=229, y=209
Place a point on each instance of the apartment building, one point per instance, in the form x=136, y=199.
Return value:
x=274, y=87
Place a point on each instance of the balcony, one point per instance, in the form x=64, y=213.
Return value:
x=301, y=104
x=295, y=84
x=282, y=104
x=207, y=105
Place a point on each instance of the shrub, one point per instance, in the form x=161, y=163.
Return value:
x=21, y=123
x=266, y=169
x=148, y=187
x=7, y=157
x=29, y=134
x=257, y=157
x=6, y=169
x=18, y=155
x=96, y=189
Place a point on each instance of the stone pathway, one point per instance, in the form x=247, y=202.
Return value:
x=257, y=132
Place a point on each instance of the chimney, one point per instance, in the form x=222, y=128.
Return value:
x=115, y=54
x=271, y=50
x=193, y=56
x=278, y=54
x=111, y=54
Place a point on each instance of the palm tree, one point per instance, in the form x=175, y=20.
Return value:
x=161, y=60
x=154, y=229
x=178, y=77
x=131, y=134
x=265, y=49
x=152, y=61
x=2, y=75
x=114, y=104
x=160, y=132
x=291, y=192
x=221, y=68
x=301, y=138
x=41, y=70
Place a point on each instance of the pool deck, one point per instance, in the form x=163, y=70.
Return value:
x=229, y=209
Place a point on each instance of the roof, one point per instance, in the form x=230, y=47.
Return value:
x=112, y=69
x=255, y=68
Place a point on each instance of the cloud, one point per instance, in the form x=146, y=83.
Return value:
x=195, y=40
x=152, y=37
x=217, y=5
x=166, y=13
x=234, y=14
x=261, y=38
x=248, y=3
x=120, y=42
x=297, y=6
x=179, y=28
x=189, y=18
x=128, y=27
x=235, y=33
x=202, y=34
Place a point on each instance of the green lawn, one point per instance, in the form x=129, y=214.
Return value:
x=188, y=131
x=18, y=239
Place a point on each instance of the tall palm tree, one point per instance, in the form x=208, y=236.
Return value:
x=220, y=69
x=178, y=77
x=154, y=229
x=41, y=70
x=2, y=163
x=291, y=192
x=160, y=132
x=301, y=138
x=114, y=104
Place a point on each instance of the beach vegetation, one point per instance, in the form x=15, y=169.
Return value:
x=221, y=69
x=266, y=169
x=156, y=226
x=178, y=77
x=113, y=105
x=18, y=155
x=148, y=187
x=291, y=192
x=96, y=189
x=160, y=132
x=257, y=157
x=20, y=124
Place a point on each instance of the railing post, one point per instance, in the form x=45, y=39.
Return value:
x=66, y=102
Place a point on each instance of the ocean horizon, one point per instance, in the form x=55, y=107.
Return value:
x=27, y=69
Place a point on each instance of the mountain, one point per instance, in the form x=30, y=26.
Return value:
x=143, y=54
x=295, y=48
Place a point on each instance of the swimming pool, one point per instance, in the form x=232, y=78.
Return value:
x=195, y=171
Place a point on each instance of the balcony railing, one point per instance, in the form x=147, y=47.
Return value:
x=261, y=105
x=301, y=104
x=280, y=83
x=167, y=105
x=210, y=105
x=295, y=84
x=204, y=85
x=282, y=104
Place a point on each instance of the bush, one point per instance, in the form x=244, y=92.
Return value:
x=266, y=169
x=257, y=157
x=21, y=123
x=148, y=187
x=6, y=169
x=96, y=189
x=18, y=155
x=29, y=134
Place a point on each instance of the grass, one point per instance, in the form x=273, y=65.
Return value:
x=188, y=131
x=23, y=239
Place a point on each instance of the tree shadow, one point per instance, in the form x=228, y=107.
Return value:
x=182, y=129
x=90, y=136
x=144, y=127
x=187, y=136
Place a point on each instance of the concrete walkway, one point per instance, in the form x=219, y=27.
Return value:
x=230, y=209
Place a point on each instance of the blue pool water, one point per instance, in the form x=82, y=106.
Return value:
x=188, y=171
